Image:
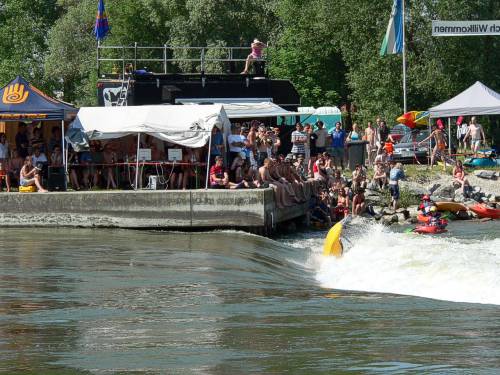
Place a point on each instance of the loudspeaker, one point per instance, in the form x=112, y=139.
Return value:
x=56, y=179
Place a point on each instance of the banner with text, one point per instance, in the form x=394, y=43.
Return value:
x=465, y=28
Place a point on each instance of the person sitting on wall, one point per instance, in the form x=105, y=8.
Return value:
x=257, y=49
x=219, y=178
x=30, y=175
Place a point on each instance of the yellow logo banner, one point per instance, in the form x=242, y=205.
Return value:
x=15, y=94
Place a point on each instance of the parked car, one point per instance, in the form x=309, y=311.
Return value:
x=399, y=131
x=407, y=150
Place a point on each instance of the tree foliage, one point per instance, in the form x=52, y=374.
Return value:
x=328, y=49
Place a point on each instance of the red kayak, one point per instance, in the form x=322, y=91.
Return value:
x=429, y=229
x=423, y=219
x=484, y=211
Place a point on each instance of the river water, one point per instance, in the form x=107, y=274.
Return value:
x=117, y=301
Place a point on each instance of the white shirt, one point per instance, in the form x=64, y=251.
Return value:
x=235, y=138
x=4, y=150
x=322, y=134
x=462, y=129
x=39, y=159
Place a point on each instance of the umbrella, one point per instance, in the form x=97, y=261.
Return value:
x=414, y=118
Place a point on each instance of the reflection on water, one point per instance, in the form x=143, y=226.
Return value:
x=98, y=301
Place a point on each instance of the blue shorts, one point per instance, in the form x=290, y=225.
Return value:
x=394, y=189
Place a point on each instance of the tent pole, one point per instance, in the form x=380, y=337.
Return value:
x=208, y=159
x=137, y=162
x=449, y=136
x=430, y=144
x=65, y=162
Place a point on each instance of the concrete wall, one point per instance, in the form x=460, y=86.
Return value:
x=254, y=210
x=244, y=209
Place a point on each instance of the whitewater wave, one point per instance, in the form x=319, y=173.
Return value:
x=444, y=268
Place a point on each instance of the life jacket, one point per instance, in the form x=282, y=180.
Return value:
x=389, y=148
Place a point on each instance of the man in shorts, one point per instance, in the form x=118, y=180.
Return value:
x=299, y=140
x=476, y=134
x=440, y=144
x=338, y=143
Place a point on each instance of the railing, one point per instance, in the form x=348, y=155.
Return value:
x=169, y=59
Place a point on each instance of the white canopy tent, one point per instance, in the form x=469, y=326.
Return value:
x=189, y=126
x=256, y=110
x=478, y=99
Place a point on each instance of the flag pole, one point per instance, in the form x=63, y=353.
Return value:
x=404, y=59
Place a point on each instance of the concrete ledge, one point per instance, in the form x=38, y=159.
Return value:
x=185, y=209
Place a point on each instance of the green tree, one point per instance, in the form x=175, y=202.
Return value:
x=23, y=39
x=306, y=52
x=71, y=57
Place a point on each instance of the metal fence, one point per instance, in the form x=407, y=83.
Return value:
x=170, y=59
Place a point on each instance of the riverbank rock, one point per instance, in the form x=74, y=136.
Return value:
x=445, y=191
x=413, y=187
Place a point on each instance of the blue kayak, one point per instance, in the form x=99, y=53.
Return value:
x=481, y=162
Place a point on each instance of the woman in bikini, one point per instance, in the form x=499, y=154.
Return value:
x=459, y=175
x=30, y=175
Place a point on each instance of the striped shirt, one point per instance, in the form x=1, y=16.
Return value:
x=298, y=148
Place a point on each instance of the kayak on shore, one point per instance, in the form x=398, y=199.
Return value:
x=484, y=211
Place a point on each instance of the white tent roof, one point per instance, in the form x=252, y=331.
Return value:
x=220, y=100
x=255, y=110
x=476, y=100
x=320, y=111
x=184, y=125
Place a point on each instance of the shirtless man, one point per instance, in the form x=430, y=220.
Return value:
x=274, y=171
x=371, y=135
x=279, y=190
x=440, y=146
x=476, y=133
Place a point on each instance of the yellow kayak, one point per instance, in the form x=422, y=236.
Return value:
x=332, y=245
x=450, y=206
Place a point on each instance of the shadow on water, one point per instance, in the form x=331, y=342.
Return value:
x=99, y=301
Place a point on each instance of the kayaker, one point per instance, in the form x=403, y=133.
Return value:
x=426, y=205
x=436, y=220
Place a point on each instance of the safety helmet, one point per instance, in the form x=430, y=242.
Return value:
x=433, y=209
x=426, y=198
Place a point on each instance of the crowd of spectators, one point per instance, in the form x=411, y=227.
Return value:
x=254, y=160
x=252, y=156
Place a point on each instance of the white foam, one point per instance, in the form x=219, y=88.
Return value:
x=442, y=268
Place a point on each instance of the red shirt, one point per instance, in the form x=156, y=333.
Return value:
x=216, y=172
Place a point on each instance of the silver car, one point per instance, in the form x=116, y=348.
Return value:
x=408, y=150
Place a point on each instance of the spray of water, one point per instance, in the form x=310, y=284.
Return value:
x=444, y=268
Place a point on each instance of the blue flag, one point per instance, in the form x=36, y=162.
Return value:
x=101, y=28
x=393, y=40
